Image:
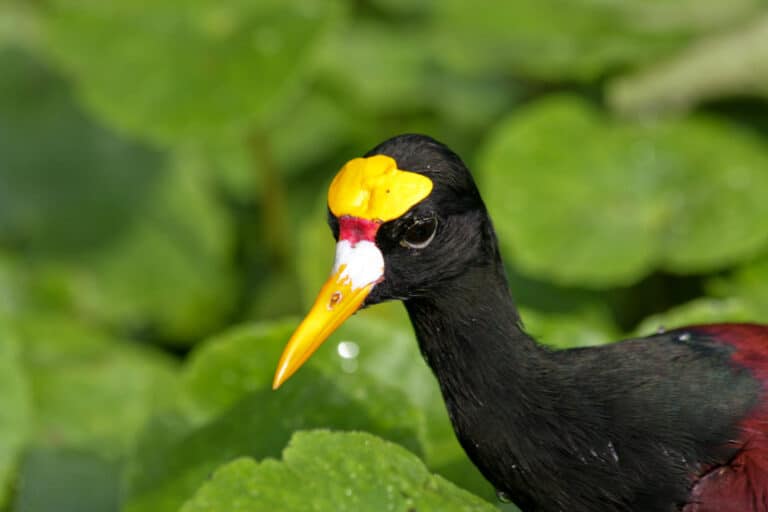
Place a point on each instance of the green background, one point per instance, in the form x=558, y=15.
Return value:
x=163, y=167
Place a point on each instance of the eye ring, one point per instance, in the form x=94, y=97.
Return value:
x=420, y=234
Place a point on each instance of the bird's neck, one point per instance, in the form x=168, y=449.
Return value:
x=470, y=334
x=498, y=384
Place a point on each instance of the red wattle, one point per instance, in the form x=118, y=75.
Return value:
x=355, y=229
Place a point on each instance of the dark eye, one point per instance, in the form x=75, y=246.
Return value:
x=420, y=234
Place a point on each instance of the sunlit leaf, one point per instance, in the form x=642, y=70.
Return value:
x=333, y=471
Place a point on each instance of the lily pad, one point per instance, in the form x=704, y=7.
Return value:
x=323, y=471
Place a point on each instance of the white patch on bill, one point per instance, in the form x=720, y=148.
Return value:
x=363, y=263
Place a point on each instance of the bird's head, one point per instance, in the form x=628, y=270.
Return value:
x=406, y=217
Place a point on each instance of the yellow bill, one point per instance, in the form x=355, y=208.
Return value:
x=356, y=271
x=365, y=193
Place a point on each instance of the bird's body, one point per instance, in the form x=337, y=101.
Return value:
x=677, y=421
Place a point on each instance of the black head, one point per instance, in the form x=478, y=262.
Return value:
x=445, y=234
x=399, y=236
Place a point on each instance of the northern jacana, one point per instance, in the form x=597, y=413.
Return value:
x=674, y=421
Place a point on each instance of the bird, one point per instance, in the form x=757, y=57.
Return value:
x=675, y=421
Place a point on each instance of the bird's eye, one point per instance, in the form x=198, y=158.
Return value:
x=420, y=234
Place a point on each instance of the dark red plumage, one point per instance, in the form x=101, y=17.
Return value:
x=741, y=485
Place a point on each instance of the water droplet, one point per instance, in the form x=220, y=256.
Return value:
x=684, y=336
x=348, y=491
x=503, y=496
x=661, y=329
x=348, y=349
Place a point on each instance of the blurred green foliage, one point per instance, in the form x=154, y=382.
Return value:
x=163, y=168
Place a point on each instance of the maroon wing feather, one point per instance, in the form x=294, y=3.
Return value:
x=741, y=485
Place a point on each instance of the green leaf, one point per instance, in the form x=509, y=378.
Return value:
x=584, y=328
x=67, y=361
x=15, y=415
x=703, y=310
x=747, y=284
x=228, y=366
x=233, y=412
x=333, y=471
x=711, y=193
x=581, y=199
x=207, y=69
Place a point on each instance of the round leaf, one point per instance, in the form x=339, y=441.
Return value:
x=333, y=471
x=580, y=199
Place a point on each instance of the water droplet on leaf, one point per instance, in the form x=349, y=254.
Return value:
x=348, y=349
